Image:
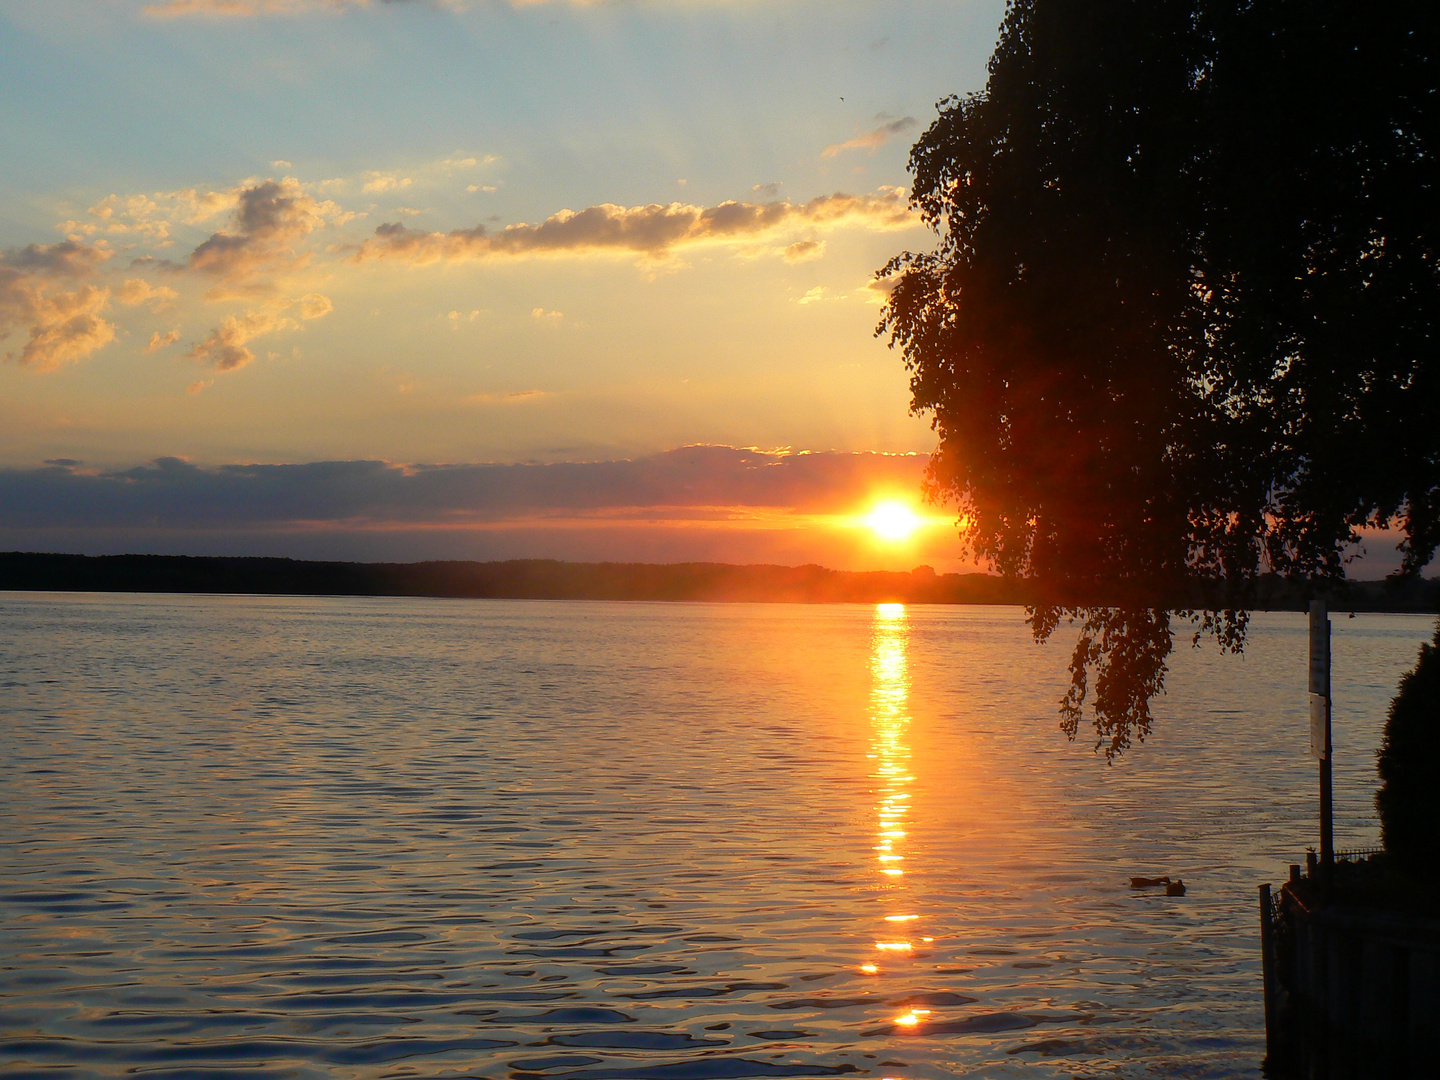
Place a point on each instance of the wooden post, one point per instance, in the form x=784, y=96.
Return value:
x=1320, y=744
x=1327, y=796
x=1267, y=972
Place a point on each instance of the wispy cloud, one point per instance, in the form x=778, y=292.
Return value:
x=150, y=218
x=804, y=251
x=315, y=306
x=226, y=346
x=873, y=139
x=159, y=341
x=515, y=397
x=654, y=231
x=379, y=183
x=135, y=291
x=878, y=290
x=174, y=9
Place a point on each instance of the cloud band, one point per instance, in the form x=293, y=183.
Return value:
x=171, y=494
x=655, y=230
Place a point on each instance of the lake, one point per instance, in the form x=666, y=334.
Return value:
x=251, y=837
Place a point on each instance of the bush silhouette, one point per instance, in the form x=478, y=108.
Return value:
x=1409, y=795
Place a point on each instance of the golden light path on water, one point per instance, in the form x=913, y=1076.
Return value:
x=890, y=754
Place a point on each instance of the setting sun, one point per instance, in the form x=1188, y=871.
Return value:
x=893, y=521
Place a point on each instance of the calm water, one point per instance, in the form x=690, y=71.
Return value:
x=249, y=837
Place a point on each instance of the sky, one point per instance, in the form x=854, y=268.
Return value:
x=269, y=267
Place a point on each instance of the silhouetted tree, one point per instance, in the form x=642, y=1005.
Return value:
x=1179, y=326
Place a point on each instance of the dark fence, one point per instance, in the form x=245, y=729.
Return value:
x=1350, y=993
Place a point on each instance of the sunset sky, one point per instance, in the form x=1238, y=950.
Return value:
x=365, y=241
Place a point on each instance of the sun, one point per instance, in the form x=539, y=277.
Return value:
x=893, y=521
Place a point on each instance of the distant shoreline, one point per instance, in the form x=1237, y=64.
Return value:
x=548, y=579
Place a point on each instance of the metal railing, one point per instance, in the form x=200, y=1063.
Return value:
x=1359, y=853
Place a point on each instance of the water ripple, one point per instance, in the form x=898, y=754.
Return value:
x=287, y=839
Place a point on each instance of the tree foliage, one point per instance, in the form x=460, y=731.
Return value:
x=1180, y=321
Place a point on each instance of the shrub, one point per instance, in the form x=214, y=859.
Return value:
x=1409, y=795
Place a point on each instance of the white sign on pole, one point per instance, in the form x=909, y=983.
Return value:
x=1319, y=710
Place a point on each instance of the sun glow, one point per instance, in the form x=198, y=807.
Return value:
x=893, y=521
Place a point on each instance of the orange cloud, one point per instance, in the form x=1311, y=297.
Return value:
x=64, y=325
x=315, y=306
x=874, y=139
x=135, y=291
x=377, y=183
x=150, y=217
x=159, y=341
x=654, y=231
x=515, y=397
x=804, y=251
x=880, y=288
x=263, y=253
x=224, y=347
x=269, y=217
x=170, y=9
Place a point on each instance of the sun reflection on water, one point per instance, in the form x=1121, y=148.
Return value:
x=890, y=753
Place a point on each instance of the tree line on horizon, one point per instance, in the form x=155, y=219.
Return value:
x=550, y=579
